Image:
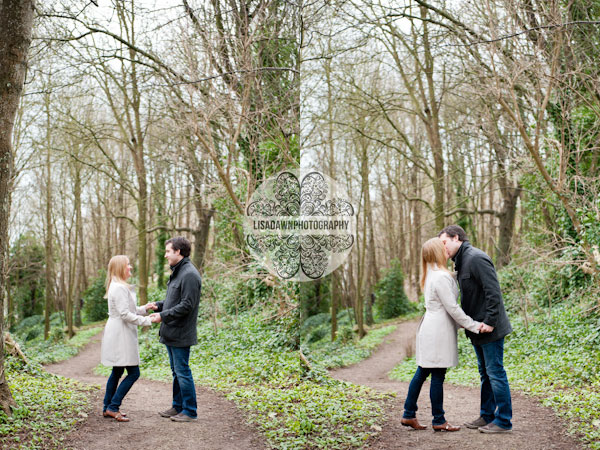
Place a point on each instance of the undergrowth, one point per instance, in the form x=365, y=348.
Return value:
x=554, y=356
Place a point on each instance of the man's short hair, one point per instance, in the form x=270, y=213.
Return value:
x=455, y=230
x=182, y=244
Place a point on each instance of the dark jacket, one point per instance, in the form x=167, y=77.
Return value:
x=179, y=310
x=480, y=293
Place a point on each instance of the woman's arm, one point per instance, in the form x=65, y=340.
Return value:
x=446, y=294
x=120, y=298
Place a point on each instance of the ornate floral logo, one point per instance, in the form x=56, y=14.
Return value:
x=300, y=227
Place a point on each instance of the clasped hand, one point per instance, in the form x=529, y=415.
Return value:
x=154, y=317
x=483, y=328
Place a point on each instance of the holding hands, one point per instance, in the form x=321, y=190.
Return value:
x=483, y=328
x=155, y=318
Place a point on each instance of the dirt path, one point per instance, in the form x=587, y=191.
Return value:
x=534, y=426
x=220, y=425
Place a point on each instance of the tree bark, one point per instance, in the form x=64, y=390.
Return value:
x=49, y=272
x=16, y=16
x=201, y=234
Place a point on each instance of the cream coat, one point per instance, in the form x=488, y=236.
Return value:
x=436, y=344
x=120, y=340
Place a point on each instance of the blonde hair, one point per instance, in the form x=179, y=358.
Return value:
x=117, y=270
x=432, y=252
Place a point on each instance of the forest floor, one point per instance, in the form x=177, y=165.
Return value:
x=534, y=426
x=220, y=424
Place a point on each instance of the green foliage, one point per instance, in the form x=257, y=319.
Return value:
x=33, y=326
x=345, y=351
x=94, y=304
x=26, y=277
x=159, y=252
x=391, y=297
x=314, y=297
x=555, y=356
x=550, y=283
x=254, y=361
x=156, y=294
x=234, y=295
x=317, y=327
x=228, y=229
x=56, y=348
x=48, y=406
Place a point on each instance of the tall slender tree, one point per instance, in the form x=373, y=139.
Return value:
x=16, y=16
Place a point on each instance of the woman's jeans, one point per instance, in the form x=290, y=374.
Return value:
x=436, y=393
x=184, y=391
x=496, y=405
x=115, y=395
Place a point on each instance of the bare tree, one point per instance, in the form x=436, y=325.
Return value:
x=16, y=16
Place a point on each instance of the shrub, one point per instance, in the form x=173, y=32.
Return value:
x=94, y=303
x=156, y=294
x=32, y=327
x=390, y=296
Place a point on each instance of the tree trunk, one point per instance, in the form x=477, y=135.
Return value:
x=433, y=128
x=201, y=234
x=16, y=16
x=72, y=295
x=49, y=272
x=416, y=226
x=335, y=301
x=507, y=226
x=142, y=240
x=81, y=275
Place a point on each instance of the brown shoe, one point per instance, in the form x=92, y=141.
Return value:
x=117, y=416
x=445, y=427
x=413, y=423
x=111, y=417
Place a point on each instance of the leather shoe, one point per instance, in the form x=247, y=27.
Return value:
x=181, y=417
x=493, y=428
x=168, y=413
x=445, y=427
x=413, y=423
x=479, y=422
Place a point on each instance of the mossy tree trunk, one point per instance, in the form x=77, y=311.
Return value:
x=16, y=16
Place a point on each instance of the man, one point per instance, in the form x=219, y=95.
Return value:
x=482, y=300
x=178, y=315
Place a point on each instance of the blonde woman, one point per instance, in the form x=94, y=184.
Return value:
x=436, y=346
x=120, y=340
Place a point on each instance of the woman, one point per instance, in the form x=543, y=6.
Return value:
x=436, y=346
x=120, y=341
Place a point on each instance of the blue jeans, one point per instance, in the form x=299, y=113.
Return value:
x=436, y=393
x=184, y=391
x=115, y=395
x=496, y=405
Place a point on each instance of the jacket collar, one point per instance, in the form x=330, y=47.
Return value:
x=459, y=255
x=176, y=267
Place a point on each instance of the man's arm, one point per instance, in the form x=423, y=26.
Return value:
x=484, y=270
x=154, y=306
x=190, y=294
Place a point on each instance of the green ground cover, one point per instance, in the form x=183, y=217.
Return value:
x=555, y=357
x=254, y=362
x=48, y=406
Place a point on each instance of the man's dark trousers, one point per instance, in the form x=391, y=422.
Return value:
x=184, y=391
